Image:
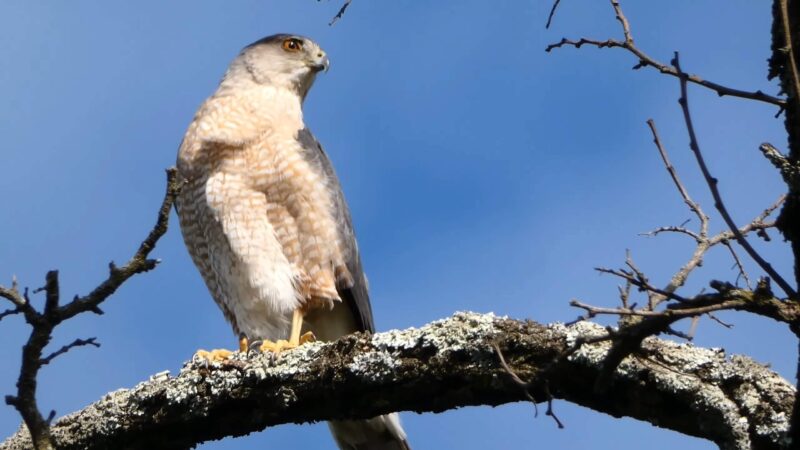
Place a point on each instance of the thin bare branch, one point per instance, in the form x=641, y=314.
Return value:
x=552, y=14
x=9, y=312
x=641, y=284
x=672, y=229
x=138, y=263
x=524, y=387
x=720, y=321
x=43, y=323
x=76, y=343
x=738, y=264
x=13, y=295
x=712, y=184
x=625, y=293
x=693, y=206
x=339, y=14
x=647, y=61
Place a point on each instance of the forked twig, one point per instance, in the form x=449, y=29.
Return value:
x=43, y=323
x=646, y=61
x=339, y=14
x=525, y=387
x=712, y=185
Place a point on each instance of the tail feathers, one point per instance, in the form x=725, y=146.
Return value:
x=378, y=433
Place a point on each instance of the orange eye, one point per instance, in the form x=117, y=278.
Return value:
x=292, y=45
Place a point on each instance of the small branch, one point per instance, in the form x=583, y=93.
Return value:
x=9, y=312
x=523, y=385
x=139, y=263
x=738, y=264
x=76, y=343
x=646, y=61
x=339, y=14
x=447, y=364
x=672, y=229
x=13, y=295
x=552, y=14
x=674, y=314
x=43, y=323
x=642, y=284
x=720, y=321
x=693, y=206
x=712, y=185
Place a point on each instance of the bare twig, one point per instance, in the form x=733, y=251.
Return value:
x=738, y=264
x=552, y=14
x=672, y=229
x=13, y=295
x=646, y=61
x=339, y=14
x=76, y=343
x=712, y=184
x=523, y=385
x=9, y=312
x=43, y=323
x=139, y=263
x=642, y=284
x=625, y=293
x=720, y=321
x=693, y=206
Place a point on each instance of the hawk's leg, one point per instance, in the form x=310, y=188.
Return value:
x=221, y=354
x=295, y=339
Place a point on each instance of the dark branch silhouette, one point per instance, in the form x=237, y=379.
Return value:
x=43, y=322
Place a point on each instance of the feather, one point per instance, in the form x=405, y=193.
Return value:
x=353, y=291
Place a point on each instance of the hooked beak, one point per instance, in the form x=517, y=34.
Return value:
x=321, y=63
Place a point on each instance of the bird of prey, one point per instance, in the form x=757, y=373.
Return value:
x=265, y=221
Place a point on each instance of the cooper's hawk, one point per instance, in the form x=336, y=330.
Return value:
x=264, y=218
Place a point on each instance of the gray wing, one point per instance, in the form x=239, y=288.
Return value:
x=356, y=295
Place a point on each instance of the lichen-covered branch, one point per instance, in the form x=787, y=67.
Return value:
x=451, y=363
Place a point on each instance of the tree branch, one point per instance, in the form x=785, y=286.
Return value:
x=712, y=185
x=733, y=402
x=646, y=61
x=341, y=12
x=43, y=323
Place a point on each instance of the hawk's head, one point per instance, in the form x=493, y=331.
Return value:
x=281, y=60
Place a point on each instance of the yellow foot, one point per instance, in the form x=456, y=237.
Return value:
x=281, y=345
x=216, y=355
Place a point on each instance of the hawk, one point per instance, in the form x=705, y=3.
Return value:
x=265, y=221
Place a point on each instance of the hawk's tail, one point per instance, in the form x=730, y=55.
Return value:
x=378, y=433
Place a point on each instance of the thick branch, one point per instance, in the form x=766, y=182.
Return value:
x=734, y=402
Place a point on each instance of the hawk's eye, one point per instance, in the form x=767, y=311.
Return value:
x=292, y=45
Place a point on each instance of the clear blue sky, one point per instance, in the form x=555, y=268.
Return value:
x=483, y=174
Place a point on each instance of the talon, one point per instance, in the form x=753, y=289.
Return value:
x=276, y=347
x=216, y=355
x=306, y=338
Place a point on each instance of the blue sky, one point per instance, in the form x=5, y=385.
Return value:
x=483, y=174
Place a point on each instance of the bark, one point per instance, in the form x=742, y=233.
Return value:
x=451, y=363
x=784, y=64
